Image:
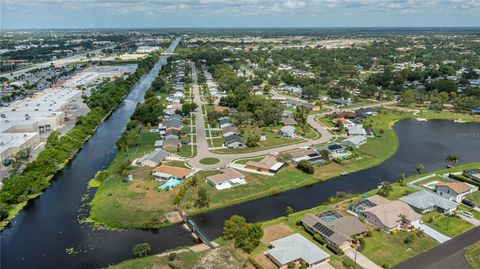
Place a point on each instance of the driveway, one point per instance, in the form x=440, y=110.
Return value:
x=441, y=238
x=363, y=261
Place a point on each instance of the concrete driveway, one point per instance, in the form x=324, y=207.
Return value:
x=441, y=238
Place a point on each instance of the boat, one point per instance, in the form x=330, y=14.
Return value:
x=459, y=121
x=421, y=119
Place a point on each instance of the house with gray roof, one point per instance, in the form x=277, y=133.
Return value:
x=225, y=122
x=355, y=141
x=152, y=159
x=234, y=141
x=296, y=248
x=287, y=131
x=425, y=201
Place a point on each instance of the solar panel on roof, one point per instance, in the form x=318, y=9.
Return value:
x=323, y=229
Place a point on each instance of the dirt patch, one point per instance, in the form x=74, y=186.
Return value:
x=264, y=261
x=275, y=232
x=173, y=217
x=224, y=258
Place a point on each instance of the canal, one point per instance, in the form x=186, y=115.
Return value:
x=41, y=234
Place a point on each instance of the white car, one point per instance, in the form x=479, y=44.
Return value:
x=466, y=214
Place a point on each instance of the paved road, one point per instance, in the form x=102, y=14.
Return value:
x=445, y=256
x=62, y=61
x=225, y=159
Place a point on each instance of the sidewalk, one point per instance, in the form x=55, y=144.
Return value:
x=363, y=261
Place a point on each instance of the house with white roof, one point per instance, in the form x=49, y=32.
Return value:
x=295, y=249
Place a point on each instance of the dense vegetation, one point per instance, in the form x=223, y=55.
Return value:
x=60, y=149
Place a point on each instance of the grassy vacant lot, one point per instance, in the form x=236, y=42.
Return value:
x=450, y=226
x=223, y=257
x=271, y=141
x=472, y=255
x=137, y=204
x=386, y=249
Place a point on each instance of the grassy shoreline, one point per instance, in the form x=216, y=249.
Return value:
x=375, y=152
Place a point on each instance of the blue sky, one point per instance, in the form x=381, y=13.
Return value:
x=237, y=13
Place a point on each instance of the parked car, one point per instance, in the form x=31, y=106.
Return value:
x=466, y=214
x=468, y=202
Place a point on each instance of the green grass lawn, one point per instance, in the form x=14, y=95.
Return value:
x=326, y=121
x=450, y=226
x=209, y=161
x=271, y=141
x=472, y=255
x=474, y=197
x=386, y=249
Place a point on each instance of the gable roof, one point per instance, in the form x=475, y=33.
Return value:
x=302, y=152
x=288, y=129
x=265, y=163
x=338, y=230
x=226, y=175
x=458, y=187
x=232, y=139
x=288, y=121
x=389, y=213
x=155, y=156
x=425, y=199
x=177, y=172
x=296, y=247
x=229, y=129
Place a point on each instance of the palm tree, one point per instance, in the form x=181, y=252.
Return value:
x=452, y=159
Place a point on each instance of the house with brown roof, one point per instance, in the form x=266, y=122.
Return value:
x=391, y=215
x=288, y=121
x=171, y=145
x=306, y=154
x=455, y=191
x=268, y=164
x=220, y=108
x=338, y=232
x=229, y=178
x=229, y=130
x=166, y=172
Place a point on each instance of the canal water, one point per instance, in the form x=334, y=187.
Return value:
x=41, y=233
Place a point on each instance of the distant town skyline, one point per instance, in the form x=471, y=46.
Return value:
x=230, y=13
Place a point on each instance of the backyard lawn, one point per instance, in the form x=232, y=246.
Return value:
x=388, y=250
x=450, y=226
x=474, y=197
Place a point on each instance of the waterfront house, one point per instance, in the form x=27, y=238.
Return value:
x=228, y=178
x=268, y=164
x=425, y=201
x=337, y=231
x=391, y=215
x=355, y=141
x=455, y=191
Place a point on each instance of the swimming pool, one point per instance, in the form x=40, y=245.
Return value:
x=431, y=185
x=342, y=155
x=328, y=219
x=170, y=184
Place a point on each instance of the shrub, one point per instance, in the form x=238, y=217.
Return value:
x=369, y=234
x=291, y=265
x=394, y=232
x=306, y=167
x=319, y=239
x=385, y=265
x=409, y=239
x=172, y=256
x=348, y=263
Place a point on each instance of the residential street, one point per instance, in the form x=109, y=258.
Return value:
x=225, y=159
x=445, y=256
